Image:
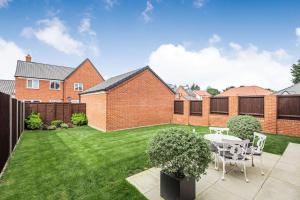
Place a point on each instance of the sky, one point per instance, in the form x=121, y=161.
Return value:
x=216, y=43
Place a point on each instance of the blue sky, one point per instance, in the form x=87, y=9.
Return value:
x=215, y=43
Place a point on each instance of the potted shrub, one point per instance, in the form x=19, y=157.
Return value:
x=243, y=126
x=183, y=157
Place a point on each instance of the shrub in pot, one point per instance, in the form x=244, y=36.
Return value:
x=183, y=157
x=33, y=121
x=243, y=126
x=57, y=123
x=79, y=119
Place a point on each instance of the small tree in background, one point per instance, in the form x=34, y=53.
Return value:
x=296, y=72
x=195, y=87
x=228, y=88
x=213, y=91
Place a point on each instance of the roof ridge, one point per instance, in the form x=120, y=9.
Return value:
x=45, y=64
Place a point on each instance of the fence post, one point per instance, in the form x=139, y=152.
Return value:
x=10, y=125
x=205, y=110
x=233, y=106
x=270, y=120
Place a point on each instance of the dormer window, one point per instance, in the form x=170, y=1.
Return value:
x=78, y=86
x=33, y=83
x=54, y=85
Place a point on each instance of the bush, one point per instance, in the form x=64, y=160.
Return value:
x=79, y=119
x=180, y=153
x=243, y=126
x=64, y=125
x=57, y=123
x=51, y=127
x=33, y=121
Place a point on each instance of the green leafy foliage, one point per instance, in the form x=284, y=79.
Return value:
x=213, y=91
x=195, y=87
x=180, y=152
x=33, y=121
x=57, y=123
x=296, y=72
x=79, y=119
x=51, y=127
x=243, y=126
x=64, y=125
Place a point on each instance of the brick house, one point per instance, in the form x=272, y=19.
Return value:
x=38, y=82
x=134, y=99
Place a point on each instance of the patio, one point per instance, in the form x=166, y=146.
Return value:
x=281, y=180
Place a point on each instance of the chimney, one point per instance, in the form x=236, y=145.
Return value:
x=28, y=58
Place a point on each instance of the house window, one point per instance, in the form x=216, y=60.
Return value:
x=55, y=101
x=54, y=85
x=75, y=101
x=78, y=87
x=33, y=83
x=32, y=101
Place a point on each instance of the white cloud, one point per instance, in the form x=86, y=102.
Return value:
x=235, y=46
x=211, y=66
x=148, y=10
x=297, y=31
x=4, y=3
x=54, y=33
x=85, y=27
x=199, y=3
x=109, y=4
x=281, y=53
x=9, y=54
x=214, y=39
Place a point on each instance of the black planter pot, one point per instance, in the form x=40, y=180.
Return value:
x=172, y=188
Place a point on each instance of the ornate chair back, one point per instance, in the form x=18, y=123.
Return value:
x=218, y=130
x=259, y=141
x=235, y=150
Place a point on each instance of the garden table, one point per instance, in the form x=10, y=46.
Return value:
x=217, y=138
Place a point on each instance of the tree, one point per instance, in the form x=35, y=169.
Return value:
x=228, y=88
x=296, y=72
x=195, y=87
x=212, y=91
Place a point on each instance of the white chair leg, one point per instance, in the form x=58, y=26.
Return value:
x=261, y=166
x=216, y=162
x=224, y=171
x=252, y=160
x=245, y=172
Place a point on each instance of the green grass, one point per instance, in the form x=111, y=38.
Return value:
x=83, y=163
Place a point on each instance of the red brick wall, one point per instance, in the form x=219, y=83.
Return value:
x=43, y=93
x=141, y=101
x=270, y=123
x=85, y=74
x=96, y=110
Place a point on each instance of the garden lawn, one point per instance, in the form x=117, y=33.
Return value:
x=83, y=163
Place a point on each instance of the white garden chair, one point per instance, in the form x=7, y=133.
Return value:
x=234, y=151
x=218, y=130
x=257, y=147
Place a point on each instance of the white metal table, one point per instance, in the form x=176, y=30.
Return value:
x=219, y=137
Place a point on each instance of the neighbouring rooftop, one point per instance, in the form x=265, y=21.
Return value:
x=246, y=91
x=7, y=87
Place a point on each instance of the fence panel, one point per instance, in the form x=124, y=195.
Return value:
x=196, y=108
x=251, y=105
x=219, y=105
x=178, y=107
x=11, y=126
x=55, y=111
x=288, y=107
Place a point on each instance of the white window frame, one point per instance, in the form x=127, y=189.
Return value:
x=35, y=88
x=54, y=81
x=76, y=85
x=55, y=101
x=33, y=101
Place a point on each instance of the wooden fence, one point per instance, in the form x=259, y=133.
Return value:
x=196, y=108
x=219, y=105
x=178, y=107
x=251, y=105
x=11, y=125
x=55, y=111
x=288, y=107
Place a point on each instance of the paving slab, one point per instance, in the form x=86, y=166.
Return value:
x=281, y=179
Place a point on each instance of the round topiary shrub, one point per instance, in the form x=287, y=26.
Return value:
x=180, y=153
x=33, y=121
x=243, y=126
x=56, y=123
